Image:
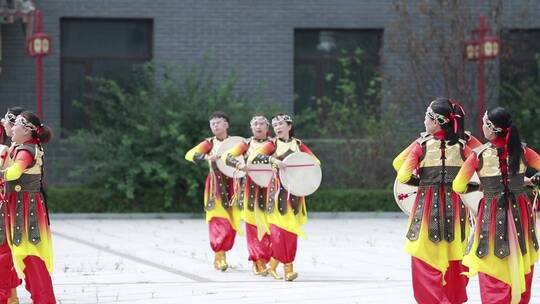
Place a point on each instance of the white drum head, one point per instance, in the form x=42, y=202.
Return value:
x=260, y=174
x=472, y=199
x=226, y=145
x=4, y=150
x=404, y=195
x=302, y=176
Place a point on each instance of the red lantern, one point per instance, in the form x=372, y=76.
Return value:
x=491, y=47
x=472, y=50
x=39, y=45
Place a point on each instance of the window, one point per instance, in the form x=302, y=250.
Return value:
x=317, y=54
x=520, y=55
x=108, y=48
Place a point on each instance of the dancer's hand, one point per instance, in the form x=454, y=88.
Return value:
x=535, y=179
x=527, y=181
x=281, y=165
x=213, y=158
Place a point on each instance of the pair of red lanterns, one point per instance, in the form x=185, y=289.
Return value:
x=489, y=47
x=39, y=44
x=483, y=45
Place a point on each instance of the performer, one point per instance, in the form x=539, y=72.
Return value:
x=504, y=246
x=438, y=224
x=28, y=231
x=223, y=220
x=286, y=212
x=9, y=279
x=251, y=198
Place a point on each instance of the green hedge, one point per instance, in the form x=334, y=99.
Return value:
x=80, y=199
x=352, y=200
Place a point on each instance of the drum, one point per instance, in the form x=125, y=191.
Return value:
x=260, y=174
x=226, y=145
x=4, y=151
x=302, y=175
x=404, y=195
x=472, y=199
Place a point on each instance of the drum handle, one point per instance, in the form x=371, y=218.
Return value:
x=535, y=201
x=259, y=170
x=402, y=196
x=297, y=166
x=2, y=193
x=288, y=166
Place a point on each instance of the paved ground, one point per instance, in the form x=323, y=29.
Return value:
x=358, y=260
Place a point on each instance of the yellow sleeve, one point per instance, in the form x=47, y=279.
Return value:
x=23, y=159
x=197, y=153
x=465, y=174
x=15, y=171
x=411, y=162
x=400, y=159
x=229, y=157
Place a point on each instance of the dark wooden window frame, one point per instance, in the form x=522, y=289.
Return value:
x=88, y=60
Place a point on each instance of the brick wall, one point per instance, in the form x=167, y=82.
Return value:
x=255, y=38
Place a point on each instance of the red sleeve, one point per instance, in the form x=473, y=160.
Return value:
x=410, y=164
x=532, y=158
x=24, y=157
x=473, y=142
x=305, y=149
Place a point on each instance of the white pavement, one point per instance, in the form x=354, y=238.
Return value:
x=169, y=261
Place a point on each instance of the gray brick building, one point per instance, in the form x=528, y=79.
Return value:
x=256, y=38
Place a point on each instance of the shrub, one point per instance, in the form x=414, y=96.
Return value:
x=80, y=199
x=139, y=134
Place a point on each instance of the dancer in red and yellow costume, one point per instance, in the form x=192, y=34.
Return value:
x=28, y=231
x=251, y=198
x=9, y=279
x=504, y=246
x=223, y=218
x=286, y=212
x=438, y=225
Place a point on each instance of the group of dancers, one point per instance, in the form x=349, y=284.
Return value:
x=25, y=236
x=273, y=216
x=502, y=246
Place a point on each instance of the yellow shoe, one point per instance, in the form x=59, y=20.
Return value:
x=255, y=269
x=290, y=275
x=13, y=299
x=216, y=260
x=261, y=267
x=272, y=270
x=220, y=262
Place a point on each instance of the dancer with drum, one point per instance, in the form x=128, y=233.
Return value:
x=222, y=218
x=438, y=222
x=287, y=211
x=251, y=195
x=28, y=231
x=504, y=246
x=9, y=279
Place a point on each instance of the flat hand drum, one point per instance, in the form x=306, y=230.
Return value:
x=302, y=175
x=404, y=195
x=4, y=150
x=226, y=145
x=260, y=174
x=472, y=199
